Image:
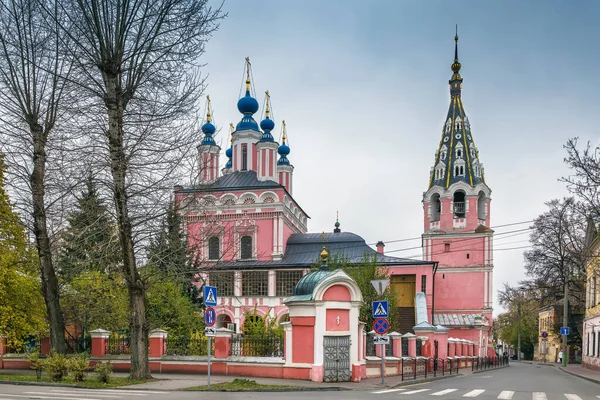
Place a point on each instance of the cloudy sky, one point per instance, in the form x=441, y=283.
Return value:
x=363, y=87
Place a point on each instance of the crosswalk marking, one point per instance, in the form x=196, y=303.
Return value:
x=506, y=395
x=443, y=392
x=416, y=391
x=572, y=396
x=539, y=396
x=388, y=391
x=71, y=394
x=474, y=393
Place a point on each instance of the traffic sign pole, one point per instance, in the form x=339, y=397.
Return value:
x=209, y=343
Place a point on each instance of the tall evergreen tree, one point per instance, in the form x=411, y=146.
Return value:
x=90, y=242
x=22, y=311
x=170, y=256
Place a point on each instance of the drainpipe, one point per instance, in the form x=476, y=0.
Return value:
x=435, y=266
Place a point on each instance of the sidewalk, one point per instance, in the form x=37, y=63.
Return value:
x=171, y=382
x=182, y=381
x=578, y=370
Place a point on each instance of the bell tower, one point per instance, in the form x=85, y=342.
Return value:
x=456, y=209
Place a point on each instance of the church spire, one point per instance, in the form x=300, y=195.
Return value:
x=457, y=158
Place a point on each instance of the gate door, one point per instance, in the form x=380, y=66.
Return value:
x=336, y=354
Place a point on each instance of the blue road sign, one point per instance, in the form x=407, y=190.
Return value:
x=381, y=326
x=380, y=309
x=210, y=296
x=565, y=330
x=210, y=316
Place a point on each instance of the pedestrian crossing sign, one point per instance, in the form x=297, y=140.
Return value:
x=380, y=309
x=210, y=296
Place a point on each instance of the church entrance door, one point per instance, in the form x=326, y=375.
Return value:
x=336, y=358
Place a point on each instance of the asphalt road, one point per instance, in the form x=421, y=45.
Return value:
x=518, y=382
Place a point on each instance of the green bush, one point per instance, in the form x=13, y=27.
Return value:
x=104, y=371
x=57, y=366
x=79, y=365
x=35, y=363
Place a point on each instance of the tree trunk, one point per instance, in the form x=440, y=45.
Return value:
x=49, y=279
x=138, y=321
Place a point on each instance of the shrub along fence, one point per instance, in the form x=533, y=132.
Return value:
x=183, y=346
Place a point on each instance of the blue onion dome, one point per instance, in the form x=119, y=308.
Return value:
x=337, y=224
x=267, y=124
x=229, y=164
x=208, y=128
x=247, y=104
x=283, y=150
x=229, y=152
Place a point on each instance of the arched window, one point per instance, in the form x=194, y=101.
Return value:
x=213, y=248
x=246, y=247
x=435, y=207
x=244, y=157
x=459, y=204
x=481, y=205
x=459, y=153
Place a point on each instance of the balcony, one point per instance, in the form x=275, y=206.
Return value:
x=459, y=209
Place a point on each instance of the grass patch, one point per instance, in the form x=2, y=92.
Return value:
x=90, y=381
x=240, y=385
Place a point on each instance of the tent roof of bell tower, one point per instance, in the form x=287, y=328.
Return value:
x=457, y=157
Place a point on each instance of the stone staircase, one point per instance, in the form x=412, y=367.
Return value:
x=406, y=319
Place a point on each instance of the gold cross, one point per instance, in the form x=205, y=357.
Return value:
x=323, y=236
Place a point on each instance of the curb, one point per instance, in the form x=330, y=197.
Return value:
x=489, y=369
x=579, y=376
x=72, y=386
x=297, y=389
x=432, y=379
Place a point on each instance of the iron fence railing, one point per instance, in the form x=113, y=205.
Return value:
x=404, y=347
x=370, y=346
x=117, y=345
x=480, y=363
x=82, y=344
x=182, y=346
x=419, y=348
x=31, y=346
x=257, y=346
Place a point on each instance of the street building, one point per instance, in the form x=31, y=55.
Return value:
x=591, y=324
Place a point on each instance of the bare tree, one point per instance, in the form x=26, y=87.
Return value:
x=31, y=95
x=137, y=67
x=557, y=255
x=584, y=182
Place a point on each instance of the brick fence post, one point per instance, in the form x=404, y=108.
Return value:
x=99, y=339
x=412, y=344
x=45, y=346
x=396, y=344
x=157, y=339
x=223, y=343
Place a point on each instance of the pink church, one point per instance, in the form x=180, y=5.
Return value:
x=253, y=238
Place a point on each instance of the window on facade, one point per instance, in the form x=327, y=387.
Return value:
x=435, y=207
x=213, y=248
x=446, y=247
x=255, y=283
x=224, y=281
x=459, y=204
x=424, y=283
x=244, y=157
x=285, y=282
x=459, y=153
x=481, y=205
x=246, y=247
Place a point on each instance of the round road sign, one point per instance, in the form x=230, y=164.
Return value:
x=210, y=316
x=544, y=334
x=381, y=326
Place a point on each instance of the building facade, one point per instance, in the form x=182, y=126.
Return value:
x=253, y=239
x=591, y=324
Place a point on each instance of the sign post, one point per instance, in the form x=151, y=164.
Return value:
x=210, y=301
x=381, y=327
x=381, y=312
